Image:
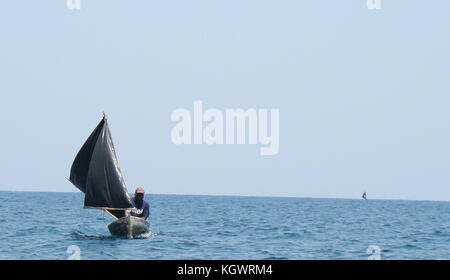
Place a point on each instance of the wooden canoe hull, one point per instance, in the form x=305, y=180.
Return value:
x=120, y=226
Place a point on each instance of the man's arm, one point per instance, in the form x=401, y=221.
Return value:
x=145, y=212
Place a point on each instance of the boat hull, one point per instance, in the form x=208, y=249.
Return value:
x=121, y=227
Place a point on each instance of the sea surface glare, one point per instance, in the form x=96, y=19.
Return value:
x=37, y=225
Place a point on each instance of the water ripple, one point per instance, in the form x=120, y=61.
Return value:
x=199, y=227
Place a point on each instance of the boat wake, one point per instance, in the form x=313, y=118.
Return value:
x=145, y=235
x=81, y=236
x=76, y=235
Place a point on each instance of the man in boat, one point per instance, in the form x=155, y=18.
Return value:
x=142, y=207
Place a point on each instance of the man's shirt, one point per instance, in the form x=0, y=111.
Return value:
x=142, y=209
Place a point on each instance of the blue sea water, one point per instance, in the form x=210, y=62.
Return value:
x=37, y=225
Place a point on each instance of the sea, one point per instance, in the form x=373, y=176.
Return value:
x=54, y=226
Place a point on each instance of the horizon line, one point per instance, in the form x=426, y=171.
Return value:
x=237, y=195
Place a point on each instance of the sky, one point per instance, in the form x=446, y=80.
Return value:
x=363, y=95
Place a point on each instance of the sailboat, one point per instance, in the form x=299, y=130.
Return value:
x=95, y=171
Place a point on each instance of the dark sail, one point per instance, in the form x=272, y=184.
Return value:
x=80, y=166
x=95, y=172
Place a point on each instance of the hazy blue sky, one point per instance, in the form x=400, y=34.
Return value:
x=364, y=95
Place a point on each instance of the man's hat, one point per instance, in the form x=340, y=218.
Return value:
x=139, y=190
